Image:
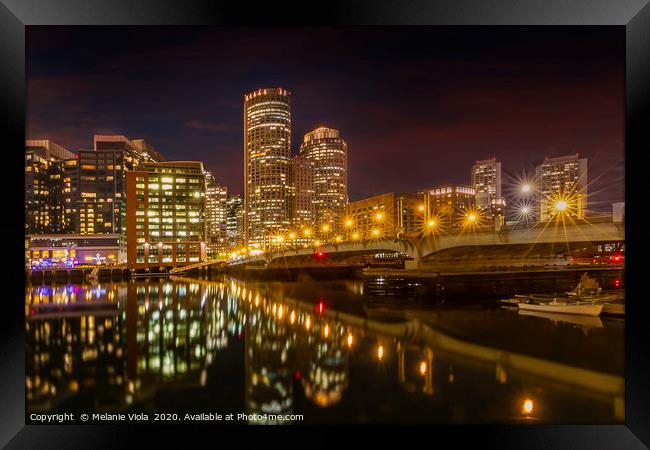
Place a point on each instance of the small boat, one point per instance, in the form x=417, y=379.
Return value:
x=589, y=290
x=588, y=309
x=576, y=319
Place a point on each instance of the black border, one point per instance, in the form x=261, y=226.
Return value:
x=633, y=14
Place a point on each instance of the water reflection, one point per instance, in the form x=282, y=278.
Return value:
x=133, y=343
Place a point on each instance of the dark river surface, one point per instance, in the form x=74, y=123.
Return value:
x=311, y=352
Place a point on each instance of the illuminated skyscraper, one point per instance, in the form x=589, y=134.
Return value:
x=325, y=148
x=486, y=180
x=216, y=198
x=562, y=180
x=44, y=191
x=303, y=210
x=267, y=163
x=85, y=189
x=96, y=181
x=235, y=220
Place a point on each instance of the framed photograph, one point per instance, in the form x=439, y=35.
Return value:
x=380, y=215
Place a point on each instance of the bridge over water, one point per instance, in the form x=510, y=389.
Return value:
x=421, y=248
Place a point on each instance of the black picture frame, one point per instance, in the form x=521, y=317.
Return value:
x=634, y=15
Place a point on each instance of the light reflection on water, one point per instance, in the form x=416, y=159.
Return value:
x=278, y=348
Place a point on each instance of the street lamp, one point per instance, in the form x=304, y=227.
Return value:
x=348, y=225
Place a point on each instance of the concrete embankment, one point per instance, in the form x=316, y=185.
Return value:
x=62, y=276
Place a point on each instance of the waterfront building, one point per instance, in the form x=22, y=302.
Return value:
x=328, y=152
x=69, y=250
x=165, y=214
x=45, y=206
x=449, y=203
x=94, y=183
x=216, y=212
x=235, y=220
x=561, y=181
x=382, y=216
x=267, y=164
x=486, y=180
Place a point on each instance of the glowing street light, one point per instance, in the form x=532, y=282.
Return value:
x=355, y=236
x=292, y=235
x=375, y=232
x=423, y=368
x=471, y=217
x=307, y=232
x=525, y=188
x=561, y=205
x=325, y=228
x=527, y=407
x=431, y=223
x=379, y=216
x=279, y=238
x=349, y=223
x=380, y=352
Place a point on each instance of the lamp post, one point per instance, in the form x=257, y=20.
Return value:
x=349, y=223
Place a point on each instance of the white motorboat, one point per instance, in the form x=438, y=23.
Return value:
x=587, y=309
x=576, y=319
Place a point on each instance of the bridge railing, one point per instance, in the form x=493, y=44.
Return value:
x=195, y=266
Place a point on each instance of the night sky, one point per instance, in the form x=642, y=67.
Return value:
x=417, y=105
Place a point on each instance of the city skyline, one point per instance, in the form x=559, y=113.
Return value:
x=467, y=102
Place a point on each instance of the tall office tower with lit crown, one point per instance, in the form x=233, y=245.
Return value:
x=303, y=210
x=486, y=180
x=329, y=153
x=562, y=187
x=267, y=164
